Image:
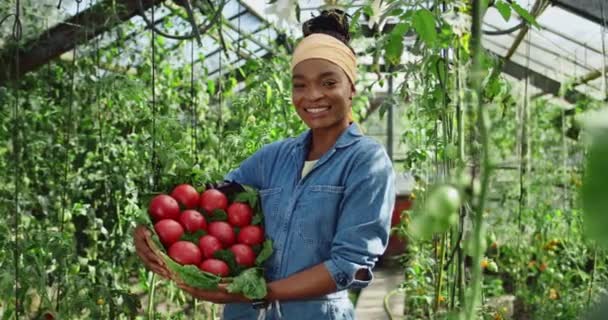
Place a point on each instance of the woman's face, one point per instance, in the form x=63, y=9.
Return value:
x=322, y=94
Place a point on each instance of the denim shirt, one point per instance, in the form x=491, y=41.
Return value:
x=339, y=215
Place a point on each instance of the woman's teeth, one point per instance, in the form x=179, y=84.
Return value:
x=317, y=110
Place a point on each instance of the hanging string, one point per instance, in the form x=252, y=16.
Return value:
x=523, y=152
x=66, y=165
x=154, y=183
x=193, y=108
x=220, y=91
x=154, y=164
x=17, y=33
x=238, y=27
x=603, y=32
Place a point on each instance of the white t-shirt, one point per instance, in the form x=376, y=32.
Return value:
x=308, y=165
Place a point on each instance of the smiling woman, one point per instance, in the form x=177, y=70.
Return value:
x=327, y=194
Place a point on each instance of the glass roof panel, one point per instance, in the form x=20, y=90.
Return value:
x=38, y=16
x=247, y=23
x=553, y=51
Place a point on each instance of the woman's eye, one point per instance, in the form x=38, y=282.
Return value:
x=298, y=85
x=329, y=83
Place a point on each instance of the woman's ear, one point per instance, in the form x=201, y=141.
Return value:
x=353, y=91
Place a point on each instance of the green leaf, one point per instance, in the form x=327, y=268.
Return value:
x=250, y=197
x=250, y=283
x=265, y=253
x=424, y=24
x=211, y=87
x=218, y=215
x=257, y=219
x=256, y=249
x=394, y=45
x=268, y=93
x=524, y=14
x=504, y=9
x=192, y=275
x=193, y=237
x=228, y=257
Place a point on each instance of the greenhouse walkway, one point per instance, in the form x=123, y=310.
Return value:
x=370, y=304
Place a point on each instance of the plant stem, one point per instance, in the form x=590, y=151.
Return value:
x=151, y=297
x=476, y=75
x=592, y=280
x=440, y=272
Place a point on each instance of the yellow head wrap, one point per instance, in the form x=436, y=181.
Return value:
x=323, y=46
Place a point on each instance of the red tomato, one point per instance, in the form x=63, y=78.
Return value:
x=48, y=316
x=185, y=252
x=251, y=235
x=223, y=231
x=244, y=254
x=216, y=267
x=169, y=231
x=192, y=221
x=213, y=199
x=208, y=245
x=163, y=207
x=186, y=195
x=239, y=214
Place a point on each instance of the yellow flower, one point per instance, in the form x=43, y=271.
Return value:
x=101, y=302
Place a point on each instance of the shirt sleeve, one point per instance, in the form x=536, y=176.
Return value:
x=251, y=171
x=364, y=222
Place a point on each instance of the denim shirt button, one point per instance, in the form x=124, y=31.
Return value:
x=342, y=281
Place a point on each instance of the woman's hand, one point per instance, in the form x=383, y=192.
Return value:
x=219, y=296
x=154, y=263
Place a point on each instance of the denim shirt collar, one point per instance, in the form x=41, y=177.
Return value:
x=348, y=137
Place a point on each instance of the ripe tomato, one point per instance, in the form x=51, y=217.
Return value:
x=251, y=235
x=209, y=245
x=163, y=207
x=185, y=252
x=239, y=214
x=244, y=254
x=223, y=231
x=216, y=267
x=186, y=195
x=169, y=231
x=192, y=221
x=213, y=199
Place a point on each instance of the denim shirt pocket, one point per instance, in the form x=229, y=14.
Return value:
x=317, y=213
x=270, y=200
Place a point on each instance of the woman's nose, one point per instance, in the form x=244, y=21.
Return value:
x=314, y=93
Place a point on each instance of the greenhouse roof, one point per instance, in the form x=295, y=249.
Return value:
x=565, y=47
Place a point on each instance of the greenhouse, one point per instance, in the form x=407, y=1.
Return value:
x=313, y=159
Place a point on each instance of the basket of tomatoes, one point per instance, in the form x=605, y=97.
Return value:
x=210, y=237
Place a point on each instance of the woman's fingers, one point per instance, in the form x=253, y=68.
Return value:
x=153, y=262
x=200, y=294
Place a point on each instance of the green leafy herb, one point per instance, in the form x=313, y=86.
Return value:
x=191, y=275
x=217, y=215
x=193, y=237
x=228, y=257
x=250, y=283
x=265, y=253
x=257, y=219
